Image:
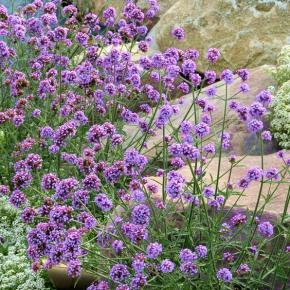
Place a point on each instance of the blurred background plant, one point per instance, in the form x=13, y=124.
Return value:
x=280, y=108
x=281, y=72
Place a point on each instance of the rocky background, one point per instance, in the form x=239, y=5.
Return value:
x=249, y=33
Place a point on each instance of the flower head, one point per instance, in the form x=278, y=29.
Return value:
x=167, y=266
x=103, y=202
x=119, y=272
x=213, y=55
x=153, y=250
x=178, y=33
x=266, y=229
x=255, y=126
x=225, y=275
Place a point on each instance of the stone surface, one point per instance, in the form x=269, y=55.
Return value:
x=248, y=33
x=58, y=275
x=249, y=198
x=242, y=141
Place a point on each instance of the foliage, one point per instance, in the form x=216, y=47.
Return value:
x=280, y=116
x=281, y=72
x=280, y=108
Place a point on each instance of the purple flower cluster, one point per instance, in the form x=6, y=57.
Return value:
x=175, y=184
x=134, y=162
x=153, y=250
x=135, y=233
x=141, y=215
x=213, y=55
x=178, y=33
x=119, y=273
x=186, y=255
x=65, y=187
x=266, y=229
x=103, y=202
x=167, y=266
x=185, y=150
x=165, y=113
x=225, y=275
x=189, y=269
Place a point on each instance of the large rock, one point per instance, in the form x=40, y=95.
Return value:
x=249, y=198
x=248, y=33
x=242, y=141
x=58, y=275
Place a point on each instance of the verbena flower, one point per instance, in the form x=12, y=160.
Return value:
x=266, y=136
x=119, y=272
x=103, y=202
x=243, y=269
x=201, y=251
x=201, y=130
x=167, y=266
x=273, y=174
x=186, y=255
x=225, y=275
x=17, y=198
x=255, y=126
x=153, y=250
x=141, y=214
x=213, y=55
x=189, y=269
x=255, y=174
x=227, y=76
x=243, y=74
x=178, y=33
x=266, y=229
x=118, y=246
x=208, y=192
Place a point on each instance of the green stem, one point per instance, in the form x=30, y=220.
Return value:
x=221, y=140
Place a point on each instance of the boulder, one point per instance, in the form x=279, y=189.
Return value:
x=248, y=33
x=242, y=141
x=249, y=198
x=61, y=281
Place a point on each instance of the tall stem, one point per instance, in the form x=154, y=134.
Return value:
x=240, y=258
x=164, y=174
x=221, y=140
